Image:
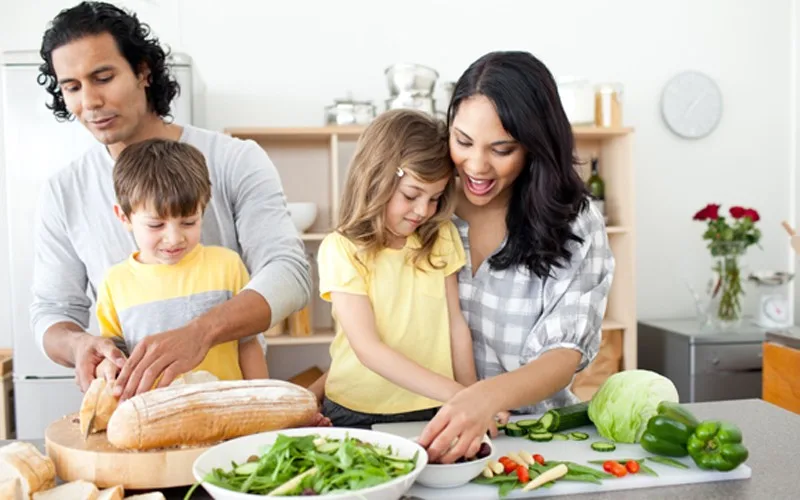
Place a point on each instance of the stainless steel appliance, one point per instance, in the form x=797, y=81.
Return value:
x=704, y=365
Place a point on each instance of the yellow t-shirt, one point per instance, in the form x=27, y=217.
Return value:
x=136, y=300
x=411, y=317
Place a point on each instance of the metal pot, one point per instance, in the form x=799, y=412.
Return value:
x=349, y=112
x=411, y=79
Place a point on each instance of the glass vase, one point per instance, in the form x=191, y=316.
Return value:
x=727, y=285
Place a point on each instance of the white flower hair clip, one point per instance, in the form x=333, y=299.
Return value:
x=400, y=172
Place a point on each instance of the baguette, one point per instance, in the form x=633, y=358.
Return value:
x=157, y=495
x=115, y=493
x=207, y=413
x=35, y=471
x=100, y=400
x=75, y=490
x=11, y=489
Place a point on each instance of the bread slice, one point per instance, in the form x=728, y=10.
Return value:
x=115, y=493
x=156, y=495
x=75, y=490
x=100, y=398
x=21, y=460
x=207, y=413
x=11, y=489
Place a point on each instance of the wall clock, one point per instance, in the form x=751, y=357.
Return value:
x=691, y=105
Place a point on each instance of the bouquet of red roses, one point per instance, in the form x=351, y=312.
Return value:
x=727, y=242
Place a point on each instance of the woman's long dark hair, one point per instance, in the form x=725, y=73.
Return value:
x=548, y=194
x=133, y=39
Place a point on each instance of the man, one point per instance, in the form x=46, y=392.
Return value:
x=102, y=66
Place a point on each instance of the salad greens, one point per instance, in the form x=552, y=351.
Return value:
x=311, y=465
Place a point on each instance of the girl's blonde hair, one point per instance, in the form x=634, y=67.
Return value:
x=402, y=139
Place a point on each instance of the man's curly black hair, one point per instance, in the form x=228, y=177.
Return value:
x=134, y=41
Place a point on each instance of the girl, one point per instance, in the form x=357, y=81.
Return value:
x=539, y=266
x=402, y=345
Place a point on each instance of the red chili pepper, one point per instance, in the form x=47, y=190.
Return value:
x=538, y=459
x=522, y=474
x=632, y=466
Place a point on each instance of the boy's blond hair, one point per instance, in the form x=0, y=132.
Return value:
x=397, y=139
x=170, y=177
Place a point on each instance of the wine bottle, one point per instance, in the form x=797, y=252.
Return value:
x=597, y=188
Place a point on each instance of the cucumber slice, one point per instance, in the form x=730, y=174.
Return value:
x=568, y=417
x=560, y=437
x=246, y=468
x=501, y=427
x=540, y=436
x=526, y=424
x=328, y=447
x=603, y=446
x=513, y=430
x=578, y=436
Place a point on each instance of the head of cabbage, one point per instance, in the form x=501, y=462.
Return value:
x=625, y=402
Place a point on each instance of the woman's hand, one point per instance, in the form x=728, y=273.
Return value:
x=458, y=428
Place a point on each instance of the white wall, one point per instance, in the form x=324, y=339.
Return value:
x=280, y=63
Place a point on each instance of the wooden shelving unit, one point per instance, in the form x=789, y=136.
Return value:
x=312, y=162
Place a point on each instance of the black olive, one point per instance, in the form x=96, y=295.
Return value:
x=484, y=451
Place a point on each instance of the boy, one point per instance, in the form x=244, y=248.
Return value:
x=162, y=189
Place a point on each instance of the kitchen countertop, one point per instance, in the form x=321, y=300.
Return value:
x=771, y=434
x=788, y=338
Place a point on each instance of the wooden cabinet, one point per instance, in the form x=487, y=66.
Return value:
x=781, y=376
x=312, y=162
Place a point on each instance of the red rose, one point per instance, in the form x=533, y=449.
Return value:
x=738, y=212
x=711, y=211
x=752, y=214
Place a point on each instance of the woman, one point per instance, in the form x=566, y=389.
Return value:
x=539, y=266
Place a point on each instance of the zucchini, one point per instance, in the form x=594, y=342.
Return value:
x=603, y=446
x=540, y=436
x=578, y=436
x=526, y=424
x=560, y=437
x=568, y=417
x=513, y=430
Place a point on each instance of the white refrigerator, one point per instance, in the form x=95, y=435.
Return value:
x=36, y=146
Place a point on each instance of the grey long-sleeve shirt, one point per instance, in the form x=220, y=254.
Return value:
x=78, y=237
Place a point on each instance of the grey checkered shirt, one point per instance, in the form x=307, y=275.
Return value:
x=515, y=317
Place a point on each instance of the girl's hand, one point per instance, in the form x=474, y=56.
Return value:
x=458, y=428
x=502, y=417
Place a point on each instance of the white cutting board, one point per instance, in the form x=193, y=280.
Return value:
x=574, y=451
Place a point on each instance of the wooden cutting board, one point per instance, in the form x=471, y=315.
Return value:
x=98, y=461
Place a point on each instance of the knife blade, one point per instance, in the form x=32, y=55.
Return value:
x=94, y=414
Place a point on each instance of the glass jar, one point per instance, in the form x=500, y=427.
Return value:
x=608, y=105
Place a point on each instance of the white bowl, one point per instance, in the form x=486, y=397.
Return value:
x=454, y=475
x=239, y=449
x=303, y=215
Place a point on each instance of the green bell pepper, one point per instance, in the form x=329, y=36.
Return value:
x=677, y=412
x=668, y=432
x=717, y=445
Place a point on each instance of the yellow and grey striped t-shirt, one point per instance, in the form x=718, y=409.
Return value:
x=136, y=300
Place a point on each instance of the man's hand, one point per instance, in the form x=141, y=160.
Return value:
x=166, y=355
x=89, y=352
